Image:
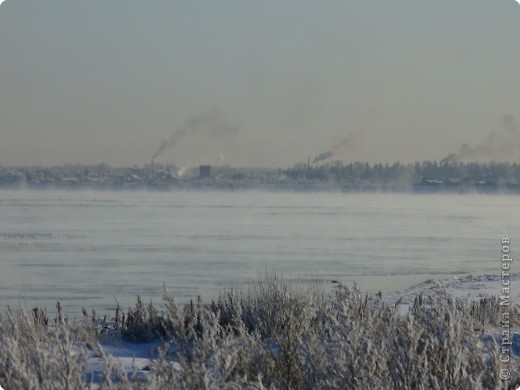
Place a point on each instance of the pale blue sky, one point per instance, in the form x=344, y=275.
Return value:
x=106, y=81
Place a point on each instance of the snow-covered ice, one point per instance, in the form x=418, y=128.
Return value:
x=471, y=287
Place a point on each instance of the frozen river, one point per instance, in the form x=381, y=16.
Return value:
x=85, y=248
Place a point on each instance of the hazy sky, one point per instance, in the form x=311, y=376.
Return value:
x=264, y=83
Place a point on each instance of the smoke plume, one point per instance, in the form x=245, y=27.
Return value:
x=348, y=144
x=213, y=125
x=323, y=156
x=498, y=146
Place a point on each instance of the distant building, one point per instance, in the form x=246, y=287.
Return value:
x=204, y=171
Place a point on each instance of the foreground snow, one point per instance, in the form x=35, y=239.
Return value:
x=137, y=359
x=472, y=287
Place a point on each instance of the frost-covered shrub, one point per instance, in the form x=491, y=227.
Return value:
x=267, y=305
x=435, y=347
x=273, y=335
x=217, y=357
x=35, y=356
x=143, y=323
x=486, y=313
x=345, y=345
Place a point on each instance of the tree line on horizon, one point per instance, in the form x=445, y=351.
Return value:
x=409, y=173
x=448, y=169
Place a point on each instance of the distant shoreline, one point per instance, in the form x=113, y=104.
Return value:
x=421, y=177
x=311, y=187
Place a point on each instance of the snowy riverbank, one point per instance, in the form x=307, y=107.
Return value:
x=277, y=334
x=135, y=358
